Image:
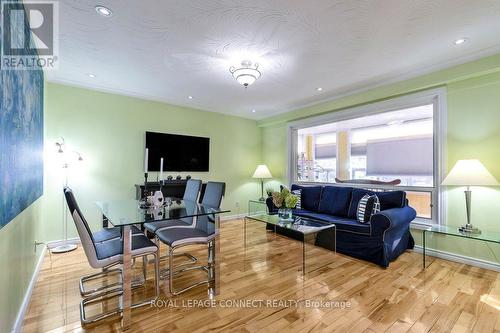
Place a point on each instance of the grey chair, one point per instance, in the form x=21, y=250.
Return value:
x=191, y=194
x=105, y=255
x=202, y=233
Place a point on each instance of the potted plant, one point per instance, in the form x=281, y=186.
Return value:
x=285, y=201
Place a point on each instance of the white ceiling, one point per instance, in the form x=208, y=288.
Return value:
x=169, y=49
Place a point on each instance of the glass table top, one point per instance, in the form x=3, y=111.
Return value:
x=300, y=224
x=485, y=235
x=128, y=211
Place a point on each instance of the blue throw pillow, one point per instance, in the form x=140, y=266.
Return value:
x=357, y=194
x=335, y=200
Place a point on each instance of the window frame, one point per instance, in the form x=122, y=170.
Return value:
x=436, y=96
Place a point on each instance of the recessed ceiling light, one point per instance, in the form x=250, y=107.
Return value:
x=460, y=41
x=190, y=97
x=103, y=11
x=253, y=111
x=91, y=75
x=319, y=89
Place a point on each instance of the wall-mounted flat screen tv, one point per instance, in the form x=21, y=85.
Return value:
x=179, y=152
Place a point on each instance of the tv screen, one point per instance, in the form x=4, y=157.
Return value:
x=179, y=152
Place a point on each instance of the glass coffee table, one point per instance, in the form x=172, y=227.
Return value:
x=304, y=229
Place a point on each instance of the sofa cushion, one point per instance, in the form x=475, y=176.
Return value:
x=335, y=200
x=357, y=194
x=341, y=223
x=310, y=195
x=392, y=199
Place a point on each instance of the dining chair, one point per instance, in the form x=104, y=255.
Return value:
x=191, y=194
x=202, y=233
x=105, y=255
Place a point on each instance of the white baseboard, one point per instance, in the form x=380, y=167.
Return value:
x=459, y=258
x=18, y=324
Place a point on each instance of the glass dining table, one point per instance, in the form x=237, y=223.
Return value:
x=128, y=212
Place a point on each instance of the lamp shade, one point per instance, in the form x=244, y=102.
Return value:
x=262, y=172
x=469, y=173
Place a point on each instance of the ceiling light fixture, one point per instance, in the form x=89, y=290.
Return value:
x=247, y=74
x=103, y=11
x=253, y=111
x=190, y=97
x=91, y=75
x=319, y=89
x=460, y=41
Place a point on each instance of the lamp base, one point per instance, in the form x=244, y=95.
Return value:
x=262, y=199
x=469, y=229
x=64, y=248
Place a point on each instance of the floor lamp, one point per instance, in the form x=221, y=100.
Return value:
x=65, y=247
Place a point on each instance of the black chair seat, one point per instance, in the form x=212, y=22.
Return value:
x=178, y=236
x=140, y=245
x=107, y=234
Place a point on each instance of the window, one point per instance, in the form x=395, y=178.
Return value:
x=383, y=146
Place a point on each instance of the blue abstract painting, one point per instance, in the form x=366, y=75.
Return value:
x=21, y=141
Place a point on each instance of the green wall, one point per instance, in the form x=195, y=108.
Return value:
x=473, y=98
x=109, y=130
x=18, y=260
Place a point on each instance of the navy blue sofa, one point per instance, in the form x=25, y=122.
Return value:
x=380, y=241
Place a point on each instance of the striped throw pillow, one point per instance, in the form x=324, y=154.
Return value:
x=367, y=206
x=299, y=194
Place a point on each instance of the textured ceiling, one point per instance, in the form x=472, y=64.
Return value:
x=167, y=50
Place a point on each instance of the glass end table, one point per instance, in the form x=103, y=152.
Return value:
x=427, y=234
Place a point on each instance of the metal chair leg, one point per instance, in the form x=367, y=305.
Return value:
x=144, y=267
x=172, y=272
x=96, y=276
x=116, y=292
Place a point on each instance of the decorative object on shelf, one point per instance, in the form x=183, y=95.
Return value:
x=285, y=201
x=179, y=177
x=469, y=173
x=188, y=177
x=262, y=172
x=68, y=159
x=158, y=199
x=247, y=74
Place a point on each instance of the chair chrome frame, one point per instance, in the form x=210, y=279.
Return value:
x=208, y=268
x=117, y=291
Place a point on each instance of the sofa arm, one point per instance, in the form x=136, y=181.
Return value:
x=394, y=218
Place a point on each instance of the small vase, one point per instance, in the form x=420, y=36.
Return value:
x=285, y=214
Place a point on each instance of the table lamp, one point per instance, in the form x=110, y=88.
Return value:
x=262, y=172
x=469, y=173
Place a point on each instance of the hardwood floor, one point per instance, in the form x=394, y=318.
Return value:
x=403, y=298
